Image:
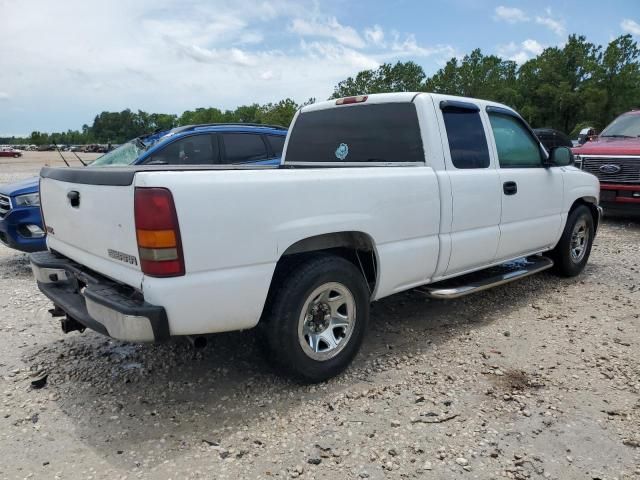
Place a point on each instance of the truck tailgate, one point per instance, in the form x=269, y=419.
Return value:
x=90, y=219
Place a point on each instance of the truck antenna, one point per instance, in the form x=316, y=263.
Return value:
x=60, y=153
x=79, y=159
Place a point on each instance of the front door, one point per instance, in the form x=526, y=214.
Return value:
x=531, y=194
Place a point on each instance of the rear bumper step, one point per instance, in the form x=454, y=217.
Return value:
x=488, y=278
x=97, y=302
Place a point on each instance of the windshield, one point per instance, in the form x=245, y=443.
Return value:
x=125, y=154
x=625, y=126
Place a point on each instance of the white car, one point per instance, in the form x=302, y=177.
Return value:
x=375, y=195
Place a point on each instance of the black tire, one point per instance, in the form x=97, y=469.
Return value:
x=281, y=321
x=566, y=263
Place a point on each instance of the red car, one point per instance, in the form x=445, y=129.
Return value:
x=10, y=152
x=614, y=157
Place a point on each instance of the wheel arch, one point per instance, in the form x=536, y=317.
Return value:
x=357, y=247
x=592, y=204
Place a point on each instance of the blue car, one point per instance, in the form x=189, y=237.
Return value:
x=212, y=144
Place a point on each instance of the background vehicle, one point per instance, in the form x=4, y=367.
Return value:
x=614, y=157
x=375, y=195
x=10, y=152
x=21, y=225
x=552, y=138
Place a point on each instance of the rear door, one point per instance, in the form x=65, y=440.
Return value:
x=243, y=148
x=196, y=149
x=89, y=218
x=532, y=195
x=475, y=187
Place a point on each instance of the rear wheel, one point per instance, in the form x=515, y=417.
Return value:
x=573, y=250
x=316, y=318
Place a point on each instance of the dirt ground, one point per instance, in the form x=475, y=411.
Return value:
x=536, y=379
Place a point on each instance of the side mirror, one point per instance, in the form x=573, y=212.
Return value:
x=560, y=157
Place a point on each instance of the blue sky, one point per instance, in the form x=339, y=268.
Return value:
x=63, y=62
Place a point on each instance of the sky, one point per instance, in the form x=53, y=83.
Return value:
x=62, y=62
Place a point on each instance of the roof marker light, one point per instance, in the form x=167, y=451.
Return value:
x=349, y=100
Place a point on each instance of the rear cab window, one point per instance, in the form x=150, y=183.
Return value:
x=353, y=134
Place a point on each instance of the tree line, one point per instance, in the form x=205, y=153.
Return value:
x=566, y=88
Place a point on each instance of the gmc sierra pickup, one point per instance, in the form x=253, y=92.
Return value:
x=375, y=195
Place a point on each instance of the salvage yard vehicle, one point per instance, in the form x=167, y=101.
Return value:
x=614, y=157
x=21, y=225
x=374, y=195
x=10, y=152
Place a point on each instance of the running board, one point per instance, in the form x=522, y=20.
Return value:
x=487, y=278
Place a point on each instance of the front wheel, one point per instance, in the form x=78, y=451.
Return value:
x=573, y=250
x=316, y=318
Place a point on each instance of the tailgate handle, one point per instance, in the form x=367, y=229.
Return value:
x=74, y=198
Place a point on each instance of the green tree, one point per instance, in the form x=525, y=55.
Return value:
x=401, y=77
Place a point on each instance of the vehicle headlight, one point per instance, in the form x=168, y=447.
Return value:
x=28, y=200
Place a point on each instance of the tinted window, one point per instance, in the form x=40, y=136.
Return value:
x=516, y=146
x=386, y=132
x=192, y=150
x=276, y=143
x=243, y=147
x=467, y=141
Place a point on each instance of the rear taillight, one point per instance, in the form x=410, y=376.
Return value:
x=158, y=233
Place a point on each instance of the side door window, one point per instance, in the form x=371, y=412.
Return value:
x=243, y=148
x=192, y=150
x=276, y=143
x=467, y=141
x=517, y=148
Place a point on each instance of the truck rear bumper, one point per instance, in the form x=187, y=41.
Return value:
x=97, y=302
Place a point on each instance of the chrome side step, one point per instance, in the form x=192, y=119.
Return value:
x=488, y=278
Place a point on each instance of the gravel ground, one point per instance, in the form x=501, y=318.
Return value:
x=536, y=379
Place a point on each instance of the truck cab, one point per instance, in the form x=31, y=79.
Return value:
x=614, y=157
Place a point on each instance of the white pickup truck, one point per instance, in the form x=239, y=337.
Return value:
x=375, y=195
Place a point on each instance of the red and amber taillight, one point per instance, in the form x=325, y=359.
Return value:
x=158, y=233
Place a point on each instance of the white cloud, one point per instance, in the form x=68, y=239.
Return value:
x=510, y=14
x=556, y=25
x=630, y=26
x=409, y=47
x=521, y=52
x=375, y=35
x=158, y=56
x=532, y=46
x=339, y=53
x=330, y=28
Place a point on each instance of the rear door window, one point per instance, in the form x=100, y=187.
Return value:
x=199, y=149
x=467, y=141
x=276, y=143
x=243, y=147
x=384, y=132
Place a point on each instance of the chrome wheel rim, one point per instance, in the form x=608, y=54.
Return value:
x=579, y=240
x=327, y=321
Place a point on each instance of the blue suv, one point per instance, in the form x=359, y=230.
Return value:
x=211, y=144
